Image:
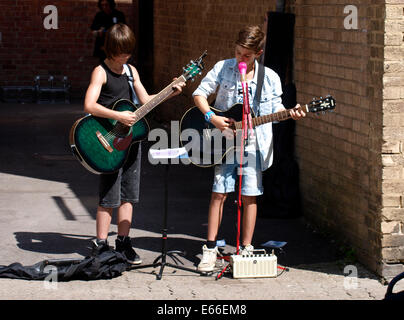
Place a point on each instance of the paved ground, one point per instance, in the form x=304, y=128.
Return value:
x=47, y=210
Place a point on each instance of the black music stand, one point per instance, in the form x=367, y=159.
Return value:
x=167, y=154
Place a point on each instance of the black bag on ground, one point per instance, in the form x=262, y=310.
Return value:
x=107, y=265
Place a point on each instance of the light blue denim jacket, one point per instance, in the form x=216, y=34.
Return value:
x=226, y=76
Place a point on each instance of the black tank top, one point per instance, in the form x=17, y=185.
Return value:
x=116, y=87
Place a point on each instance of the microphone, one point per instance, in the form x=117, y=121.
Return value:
x=247, y=120
x=242, y=67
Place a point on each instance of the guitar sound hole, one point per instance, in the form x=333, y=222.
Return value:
x=121, y=131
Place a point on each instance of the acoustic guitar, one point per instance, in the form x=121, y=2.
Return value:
x=207, y=146
x=102, y=145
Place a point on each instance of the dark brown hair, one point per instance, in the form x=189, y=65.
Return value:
x=252, y=38
x=119, y=40
x=111, y=3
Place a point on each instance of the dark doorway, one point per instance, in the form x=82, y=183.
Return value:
x=144, y=61
x=281, y=197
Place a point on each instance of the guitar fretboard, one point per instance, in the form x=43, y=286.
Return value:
x=278, y=116
x=159, y=98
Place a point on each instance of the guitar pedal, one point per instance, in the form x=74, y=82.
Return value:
x=254, y=266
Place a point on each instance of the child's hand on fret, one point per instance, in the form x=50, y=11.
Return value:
x=297, y=113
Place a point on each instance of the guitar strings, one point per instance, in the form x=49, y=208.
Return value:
x=119, y=128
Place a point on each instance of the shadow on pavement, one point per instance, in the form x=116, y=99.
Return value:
x=34, y=140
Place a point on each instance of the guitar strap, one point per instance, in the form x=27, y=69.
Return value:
x=260, y=82
x=129, y=75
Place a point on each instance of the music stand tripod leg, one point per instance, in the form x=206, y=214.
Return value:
x=164, y=238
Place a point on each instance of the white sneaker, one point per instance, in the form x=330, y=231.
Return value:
x=208, y=260
x=247, y=250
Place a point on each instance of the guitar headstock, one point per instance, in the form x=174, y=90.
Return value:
x=194, y=67
x=322, y=104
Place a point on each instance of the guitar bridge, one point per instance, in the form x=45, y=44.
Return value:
x=104, y=142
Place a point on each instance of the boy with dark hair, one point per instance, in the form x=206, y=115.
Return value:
x=120, y=190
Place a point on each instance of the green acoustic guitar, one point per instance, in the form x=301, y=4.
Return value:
x=207, y=146
x=102, y=145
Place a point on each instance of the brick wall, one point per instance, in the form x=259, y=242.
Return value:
x=346, y=188
x=184, y=29
x=350, y=161
x=392, y=227
x=28, y=49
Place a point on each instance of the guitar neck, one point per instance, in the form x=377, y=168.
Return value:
x=159, y=98
x=277, y=116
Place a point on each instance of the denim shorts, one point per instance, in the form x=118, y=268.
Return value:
x=227, y=173
x=122, y=186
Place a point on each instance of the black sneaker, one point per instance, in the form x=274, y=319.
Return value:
x=99, y=246
x=124, y=246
